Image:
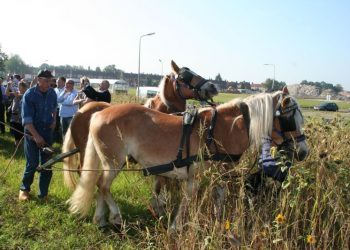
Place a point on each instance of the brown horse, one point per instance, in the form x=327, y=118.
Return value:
x=151, y=138
x=172, y=98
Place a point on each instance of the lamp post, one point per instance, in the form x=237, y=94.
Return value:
x=274, y=70
x=162, y=66
x=44, y=62
x=138, y=74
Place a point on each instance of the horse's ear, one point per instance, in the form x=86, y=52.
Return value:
x=175, y=68
x=285, y=102
x=285, y=90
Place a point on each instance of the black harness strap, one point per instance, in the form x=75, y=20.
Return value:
x=160, y=169
x=188, y=120
x=210, y=135
x=245, y=112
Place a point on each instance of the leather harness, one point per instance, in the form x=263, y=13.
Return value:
x=188, y=121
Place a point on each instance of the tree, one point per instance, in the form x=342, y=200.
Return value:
x=338, y=88
x=3, y=59
x=110, y=69
x=15, y=64
x=276, y=84
x=218, y=78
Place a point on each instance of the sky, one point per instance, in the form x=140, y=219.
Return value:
x=303, y=39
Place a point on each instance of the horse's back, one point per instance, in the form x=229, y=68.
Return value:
x=138, y=131
x=81, y=121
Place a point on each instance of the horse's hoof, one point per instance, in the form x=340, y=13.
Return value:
x=104, y=228
x=117, y=228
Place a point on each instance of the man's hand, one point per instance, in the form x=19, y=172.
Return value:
x=40, y=142
x=53, y=125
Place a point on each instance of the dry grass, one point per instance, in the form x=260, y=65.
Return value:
x=311, y=210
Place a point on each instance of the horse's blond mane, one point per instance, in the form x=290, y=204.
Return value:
x=162, y=88
x=261, y=114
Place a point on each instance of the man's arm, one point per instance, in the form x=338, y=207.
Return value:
x=40, y=142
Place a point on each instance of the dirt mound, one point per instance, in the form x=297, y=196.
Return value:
x=303, y=90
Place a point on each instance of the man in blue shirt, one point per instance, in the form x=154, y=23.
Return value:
x=67, y=109
x=39, y=105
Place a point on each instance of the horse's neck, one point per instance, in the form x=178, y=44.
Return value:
x=156, y=103
x=231, y=131
x=171, y=98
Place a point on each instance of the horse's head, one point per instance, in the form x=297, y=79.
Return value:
x=288, y=121
x=204, y=89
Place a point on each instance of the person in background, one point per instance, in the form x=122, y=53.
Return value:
x=53, y=83
x=39, y=105
x=57, y=134
x=103, y=95
x=3, y=99
x=16, y=121
x=81, y=98
x=13, y=88
x=67, y=108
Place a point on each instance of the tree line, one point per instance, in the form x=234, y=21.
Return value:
x=273, y=85
x=15, y=64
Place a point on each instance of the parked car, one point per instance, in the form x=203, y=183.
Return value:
x=327, y=106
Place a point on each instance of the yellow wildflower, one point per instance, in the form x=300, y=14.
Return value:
x=227, y=225
x=280, y=219
x=310, y=239
x=273, y=152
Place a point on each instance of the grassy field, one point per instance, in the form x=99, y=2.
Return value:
x=311, y=210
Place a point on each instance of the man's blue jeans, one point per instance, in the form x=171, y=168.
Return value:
x=65, y=121
x=33, y=155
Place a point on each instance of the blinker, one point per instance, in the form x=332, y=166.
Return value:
x=287, y=123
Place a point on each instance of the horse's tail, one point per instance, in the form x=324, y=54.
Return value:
x=81, y=199
x=71, y=162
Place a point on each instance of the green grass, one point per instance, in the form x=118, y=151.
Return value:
x=314, y=200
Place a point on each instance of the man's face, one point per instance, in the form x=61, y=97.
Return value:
x=103, y=86
x=44, y=83
x=69, y=85
x=60, y=83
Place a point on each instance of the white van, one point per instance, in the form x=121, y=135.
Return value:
x=146, y=91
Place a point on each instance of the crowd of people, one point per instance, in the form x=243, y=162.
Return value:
x=40, y=111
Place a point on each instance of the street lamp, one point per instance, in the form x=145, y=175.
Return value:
x=138, y=75
x=273, y=80
x=162, y=66
x=44, y=62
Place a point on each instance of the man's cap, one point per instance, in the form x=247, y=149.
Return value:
x=45, y=74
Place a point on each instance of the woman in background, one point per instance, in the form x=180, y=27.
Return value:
x=16, y=107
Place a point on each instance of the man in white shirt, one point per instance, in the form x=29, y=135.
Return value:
x=67, y=108
x=57, y=134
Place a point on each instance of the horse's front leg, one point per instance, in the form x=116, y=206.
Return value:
x=219, y=194
x=159, y=200
x=190, y=189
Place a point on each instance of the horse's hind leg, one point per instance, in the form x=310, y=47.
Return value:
x=101, y=207
x=108, y=176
